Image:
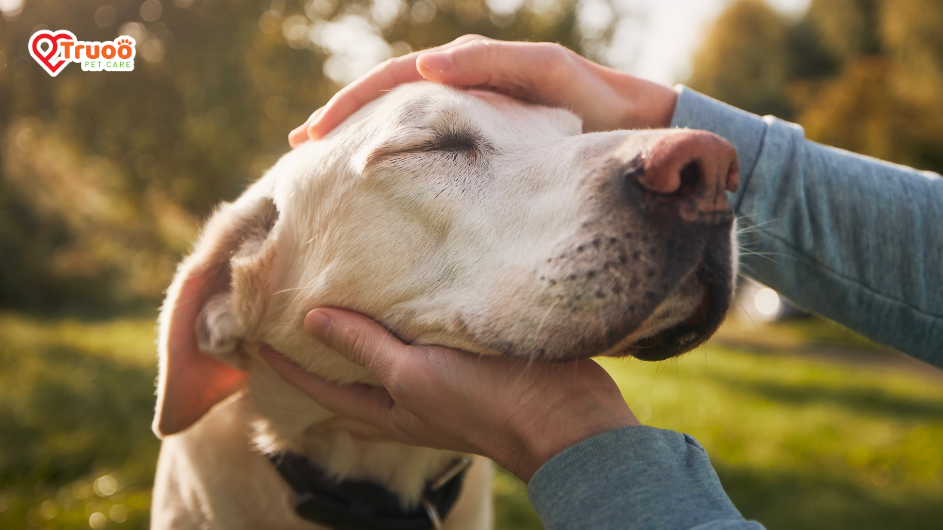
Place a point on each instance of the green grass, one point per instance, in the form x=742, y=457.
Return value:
x=798, y=442
x=76, y=402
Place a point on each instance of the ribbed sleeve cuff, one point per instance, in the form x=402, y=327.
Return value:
x=634, y=477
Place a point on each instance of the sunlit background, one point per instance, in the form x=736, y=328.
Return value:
x=104, y=178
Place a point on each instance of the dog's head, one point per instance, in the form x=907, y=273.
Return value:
x=460, y=218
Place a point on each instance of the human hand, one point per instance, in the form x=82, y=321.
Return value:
x=543, y=73
x=517, y=413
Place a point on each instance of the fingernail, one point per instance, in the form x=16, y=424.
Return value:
x=439, y=61
x=317, y=323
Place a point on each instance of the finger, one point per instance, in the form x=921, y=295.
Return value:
x=495, y=64
x=359, y=339
x=300, y=134
x=366, y=403
x=372, y=85
x=351, y=98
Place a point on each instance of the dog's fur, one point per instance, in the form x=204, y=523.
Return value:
x=460, y=218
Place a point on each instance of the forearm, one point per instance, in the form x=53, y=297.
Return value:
x=851, y=238
x=634, y=477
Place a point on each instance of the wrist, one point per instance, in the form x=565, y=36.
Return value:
x=546, y=439
x=645, y=104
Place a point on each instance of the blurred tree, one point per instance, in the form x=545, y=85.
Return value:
x=744, y=59
x=863, y=75
x=104, y=176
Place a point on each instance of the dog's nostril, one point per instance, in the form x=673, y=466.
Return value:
x=634, y=173
x=686, y=181
x=690, y=178
x=681, y=164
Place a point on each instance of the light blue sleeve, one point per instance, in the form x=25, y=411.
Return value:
x=851, y=238
x=633, y=478
x=854, y=239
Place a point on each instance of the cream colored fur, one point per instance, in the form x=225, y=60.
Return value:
x=444, y=215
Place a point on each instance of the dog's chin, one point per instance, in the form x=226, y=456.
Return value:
x=682, y=321
x=672, y=331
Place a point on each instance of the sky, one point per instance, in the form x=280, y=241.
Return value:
x=674, y=29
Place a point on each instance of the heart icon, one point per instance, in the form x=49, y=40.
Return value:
x=45, y=59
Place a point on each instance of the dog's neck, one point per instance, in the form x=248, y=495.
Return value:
x=348, y=449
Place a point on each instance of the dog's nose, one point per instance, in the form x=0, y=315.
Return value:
x=689, y=169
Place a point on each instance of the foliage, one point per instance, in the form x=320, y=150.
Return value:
x=798, y=442
x=104, y=176
x=863, y=75
x=75, y=406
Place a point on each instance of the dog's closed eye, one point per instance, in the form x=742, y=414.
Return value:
x=456, y=143
x=460, y=140
x=453, y=143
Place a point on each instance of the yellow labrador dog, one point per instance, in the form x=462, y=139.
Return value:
x=459, y=218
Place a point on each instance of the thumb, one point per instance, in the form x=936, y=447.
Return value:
x=358, y=338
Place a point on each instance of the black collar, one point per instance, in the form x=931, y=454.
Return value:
x=364, y=505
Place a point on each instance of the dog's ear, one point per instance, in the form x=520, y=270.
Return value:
x=199, y=331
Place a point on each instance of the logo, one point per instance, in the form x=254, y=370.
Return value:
x=54, y=50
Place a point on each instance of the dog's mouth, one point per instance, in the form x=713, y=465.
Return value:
x=663, y=301
x=692, y=330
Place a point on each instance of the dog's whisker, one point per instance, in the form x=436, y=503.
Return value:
x=540, y=324
x=762, y=255
x=758, y=225
x=753, y=252
x=655, y=377
x=745, y=312
x=748, y=215
x=615, y=272
x=753, y=230
x=750, y=244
